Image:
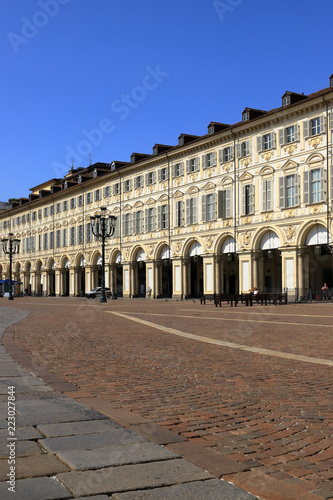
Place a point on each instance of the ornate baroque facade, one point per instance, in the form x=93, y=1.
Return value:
x=245, y=205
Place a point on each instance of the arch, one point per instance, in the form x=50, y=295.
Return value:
x=188, y=244
x=64, y=262
x=289, y=164
x=135, y=250
x=268, y=170
x=39, y=265
x=141, y=255
x=229, y=245
x=227, y=180
x=221, y=240
x=193, y=190
x=269, y=241
x=28, y=267
x=163, y=197
x=95, y=257
x=305, y=229
x=50, y=264
x=270, y=238
x=195, y=249
x=317, y=235
x=315, y=158
x=115, y=256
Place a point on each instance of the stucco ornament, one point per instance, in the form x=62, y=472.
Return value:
x=246, y=220
x=268, y=217
x=150, y=249
x=316, y=209
x=290, y=213
x=126, y=253
x=246, y=162
x=227, y=167
x=315, y=141
x=178, y=246
x=209, y=242
x=290, y=232
x=267, y=156
x=246, y=238
x=290, y=149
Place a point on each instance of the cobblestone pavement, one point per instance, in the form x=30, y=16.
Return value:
x=53, y=447
x=247, y=391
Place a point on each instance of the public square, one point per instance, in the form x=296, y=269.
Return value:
x=245, y=391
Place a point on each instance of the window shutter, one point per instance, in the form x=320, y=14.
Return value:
x=204, y=161
x=204, y=199
x=296, y=189
x=220, y=203
x=166, y=173
x=154, y=178
x=273, y=140
x=159, y=175
x=259, y=144
x=228, y=203
x=243, y=200
x=123, y=224
x=135, y=215
x=281, y=136
x=306, y=129
x=187, y=166
x=172, y=171
x=182, y=213
x=247, y=148
x=114, y=189
x=177, y=224
x=297, y=134
x=146, y=219
x=239, y=151
x=146, y=179
x=159, y=218
x=251, y=199
x=194, y=211
x=220, y=155
x=167, y=216
x=232, y=152
x=117, y=228
x=306, y=187
x=322, y=180
x=214, y=158
x=214, y=207
x=188, y=212
x=181, y=168
x=197, y=163
x=264, y=196
x=267, y=195
x=130, y=224
x=331, y=121
x=282, y=192
x=331, y=181
x=322, y=124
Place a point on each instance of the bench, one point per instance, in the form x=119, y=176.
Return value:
x=218, y=298
x=267, y=298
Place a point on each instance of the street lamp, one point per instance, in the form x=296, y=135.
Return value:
x=10, y=246
x=103, y=227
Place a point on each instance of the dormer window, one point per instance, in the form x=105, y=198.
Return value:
x=286, y=100
x=79, y=179
x=113, y=166
x=65, y=185
x=246, y=116
x=95, y=173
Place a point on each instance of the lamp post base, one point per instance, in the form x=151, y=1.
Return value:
x=10, y=297
x=102, y=299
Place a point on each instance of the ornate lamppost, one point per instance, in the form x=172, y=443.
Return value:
x=10, y=246
x=103, y=227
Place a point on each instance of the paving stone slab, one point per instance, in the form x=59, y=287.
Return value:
x=116, y=455
x=157, y=434
x=213, y=489
x=95, y=497
x=90, y=441
x=54, y=418
x=132, y=477
x=3, y=423
x=22, y=449
x=44, y=488
x=72, y=428
x=21, y=433
x=36, y=466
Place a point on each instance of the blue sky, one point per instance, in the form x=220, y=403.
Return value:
x=106, y=78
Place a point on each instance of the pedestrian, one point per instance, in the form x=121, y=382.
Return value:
x=324, y=291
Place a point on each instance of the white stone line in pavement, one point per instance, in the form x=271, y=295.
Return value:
x=236, y=311
x=232, y=345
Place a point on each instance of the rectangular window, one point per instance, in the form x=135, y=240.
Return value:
x=46, y=211
x=314, y=186
x=138, y=182
x=226, y=154
x=51, y=210
x=178, y=169
x=288, y=191
x=58, y=208
x=127, y=224
x=209, y=160
x=88, y=232
x=45, y=241
x=267, y=195
x=39, y=213
x=107, y=192
x=265, y=142
x=290, y=134
x=208, y=207
x=80, y=200
x=72, y=236
x=65, y=206
x=150, y=219
x=64, y=237
x=248, y=199
x=72, y=203
x=191, y=211
x=163, y=174
x=98, y=195
x=163, y=217
x=225, y=203
x=88, y=198
x=192, y=165
x=51, y=240
x=179, y=213
x=58, y=238
x=128, y=185
x=116, y=188
x=150, y=178
x=80, y=234
x=138, y=219
x=314, y=126
x=243, y=149
x=34, y=215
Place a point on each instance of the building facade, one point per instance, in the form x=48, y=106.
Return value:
x=245, y=205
